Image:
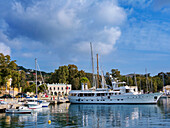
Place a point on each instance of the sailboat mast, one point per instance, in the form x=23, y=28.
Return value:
x=146, y=80
x=36, y=74
x=93, y=83
x=97, y=72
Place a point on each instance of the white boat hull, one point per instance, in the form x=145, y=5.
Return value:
x=151, y=98
x=35, y=106
x=45, y=104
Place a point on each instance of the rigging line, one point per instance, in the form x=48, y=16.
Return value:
x=41, y=76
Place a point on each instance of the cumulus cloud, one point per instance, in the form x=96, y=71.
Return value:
x=103, y=42
x=62, y=27
x=4, y=49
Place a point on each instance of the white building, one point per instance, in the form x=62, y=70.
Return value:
x=59, y=89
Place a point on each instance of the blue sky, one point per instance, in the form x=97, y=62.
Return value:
x=129, y=35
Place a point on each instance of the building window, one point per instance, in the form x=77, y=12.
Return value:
x=50, y=88
x=55, y=93
x=58, y=88
x=54, y=88
x=62, y=88
x=69, y=88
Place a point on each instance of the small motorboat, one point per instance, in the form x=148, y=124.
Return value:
x=19, y=110
x=44, y=103
x=34, y=106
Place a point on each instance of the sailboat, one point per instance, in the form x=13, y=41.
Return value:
x=34, y=103
x=116, y=95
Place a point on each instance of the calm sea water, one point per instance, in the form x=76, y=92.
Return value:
x=75, y=115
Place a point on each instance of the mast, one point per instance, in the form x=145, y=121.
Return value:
x=163, y=80
x=146, y=80
x=97, y=71
x=151, y=85
x=135, y=80
x=93, y=83
x=36, y=74
x=140, y=83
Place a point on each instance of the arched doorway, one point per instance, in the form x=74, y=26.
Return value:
x=55, y=93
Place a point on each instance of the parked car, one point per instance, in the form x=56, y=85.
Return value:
x=21, y=95
x=6, y=96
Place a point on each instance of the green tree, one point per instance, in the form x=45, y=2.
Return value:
x=75, y=83
x=85, y=80
x=6, y=68
x=115, y=73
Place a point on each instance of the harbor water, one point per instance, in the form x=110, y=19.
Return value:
x=97, y=115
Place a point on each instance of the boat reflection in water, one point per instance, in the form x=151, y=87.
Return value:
x=114, y=115
x=61, y=108
x=39, y=116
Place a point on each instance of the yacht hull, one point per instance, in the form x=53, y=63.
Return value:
x=151, y=98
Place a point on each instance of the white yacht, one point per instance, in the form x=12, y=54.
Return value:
x=117, y=95
x=113, y=95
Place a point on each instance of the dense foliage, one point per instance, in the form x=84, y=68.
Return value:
x=70, y=75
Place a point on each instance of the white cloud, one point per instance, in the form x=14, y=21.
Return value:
x=4, y=49
x=104, y=41
x=110, y=13
x=59, y=26
x=27, y=55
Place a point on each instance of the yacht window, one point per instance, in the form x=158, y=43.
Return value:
x=98, y=94
x=127, y=90
x=121, y=99
x=74, y=94
x=91, y=100
x=92, y=94
x=110, y=100
x=86, y=100
x=119, y=93
x=81, y=100
x=97, y=100
x=115, y=93
x=103, y=100
x=78, y=94
x=102, y=94
x=85, y=94
x=89, y=94
x=117, y=99
x=155, y=97
x=81, y=94
x=105, y=94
